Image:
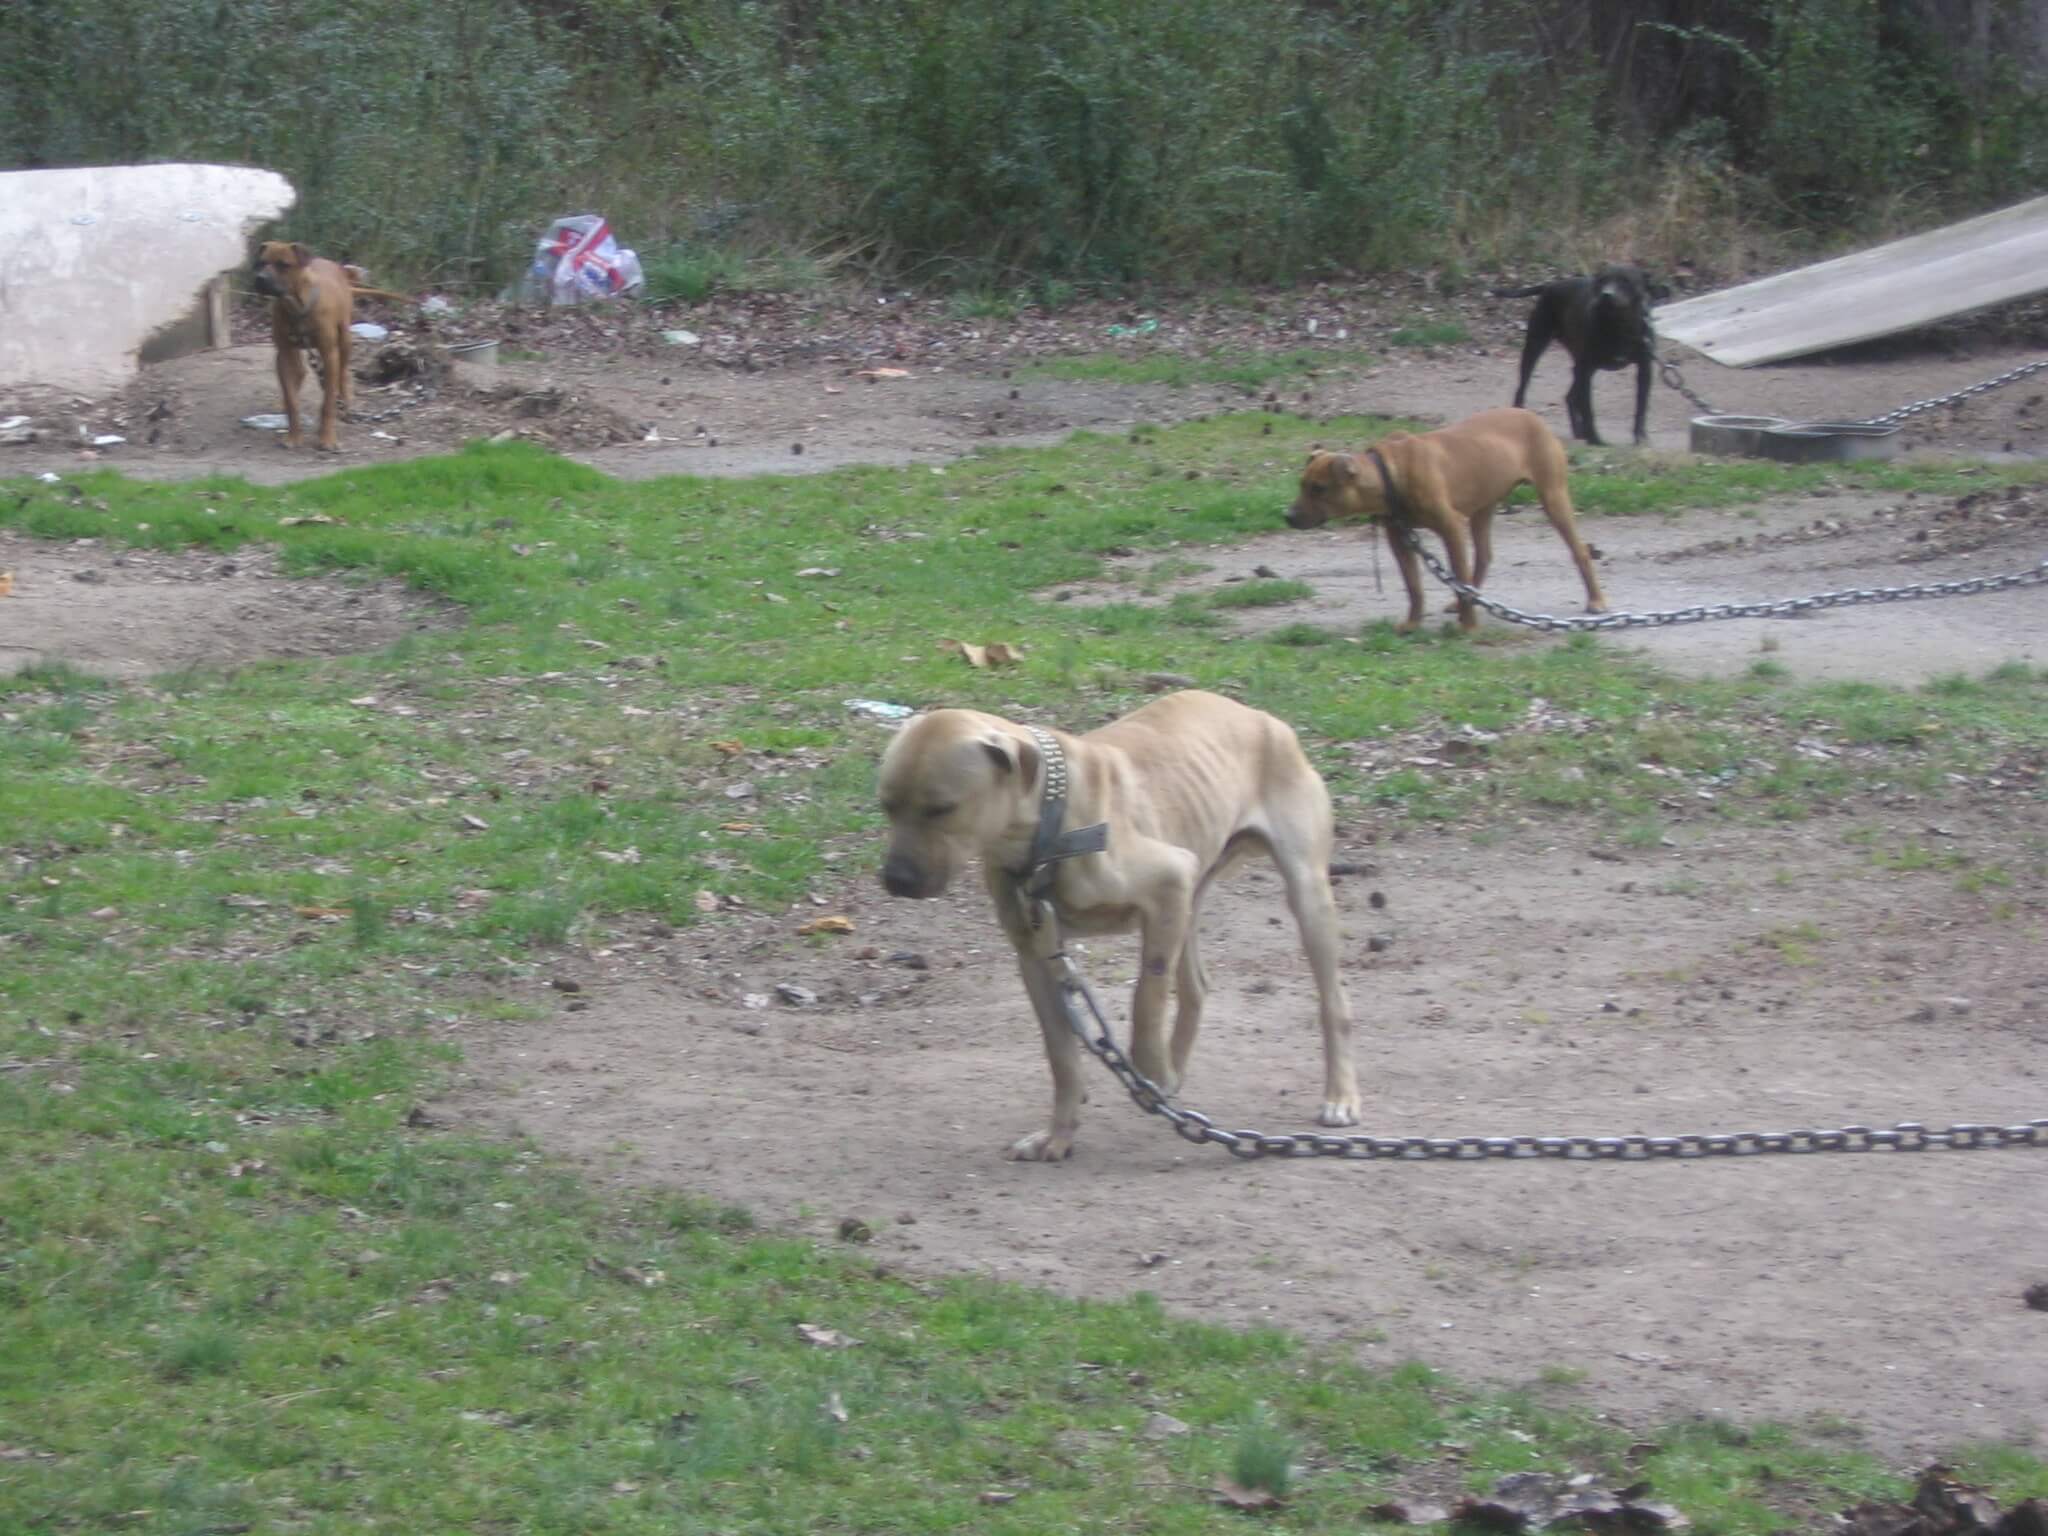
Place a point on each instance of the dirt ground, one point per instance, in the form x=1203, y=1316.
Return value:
x=1530, y=981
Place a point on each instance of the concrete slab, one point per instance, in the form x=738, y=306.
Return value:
x=96, y=262
x=1878, y=292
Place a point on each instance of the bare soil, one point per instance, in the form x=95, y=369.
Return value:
x=1528, y=981
x=1743, y=979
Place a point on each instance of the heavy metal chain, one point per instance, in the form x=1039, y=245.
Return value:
x=1674, y=376
x=1784, y=607
x=1907, y=1136
x=2011, y=376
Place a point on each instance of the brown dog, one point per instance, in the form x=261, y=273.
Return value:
x=1450, y=482
x=312, y=304
x=1182, y=790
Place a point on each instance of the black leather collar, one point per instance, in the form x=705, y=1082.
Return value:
x=1397, y=504
x=1049, y=845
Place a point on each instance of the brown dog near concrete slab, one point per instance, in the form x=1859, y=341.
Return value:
x=1603, y=319
x=1170, y=797
x=312, y=305
x=1450, y=482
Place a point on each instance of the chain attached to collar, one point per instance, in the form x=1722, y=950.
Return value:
x=1049, y=845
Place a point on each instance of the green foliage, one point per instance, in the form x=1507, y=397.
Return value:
x=1009, y=147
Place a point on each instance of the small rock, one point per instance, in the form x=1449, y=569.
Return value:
x=1163, y=1426
x=794, y=995
x=1266, y=571
x=565, y=984
x=1377, y=901
x=853, y=1230
x=910, y=960
x=1379, y=943
x=1159, y=682
x=2036, y=1295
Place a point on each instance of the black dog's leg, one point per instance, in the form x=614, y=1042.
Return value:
x=1642, y=397
x=1542, y=331
x=1579, y=403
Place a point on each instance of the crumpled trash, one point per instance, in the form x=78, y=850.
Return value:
x=681, y=338
x=878, y=709
x=1142, y=328
x=267, y=421
x=368, y=330
x=434, y=304
x=578, y=261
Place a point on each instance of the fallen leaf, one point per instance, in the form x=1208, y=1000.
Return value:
x=6, y=583
x=705, y=901
x=997, y=1496
x=1232, y=1496
x=835, y=1409
x=872, y=374
x=475, y=823
x=729, y=748
x=625, y=1274
x=834, y=924
x=320, y=914
x=825, y=1338
x=997, y=653
x=739, y=826
x=310, y=517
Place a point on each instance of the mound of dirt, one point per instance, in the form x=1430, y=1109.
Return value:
x=129, y=613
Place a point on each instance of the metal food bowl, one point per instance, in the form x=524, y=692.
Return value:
x=1736, y=436
x=478, y=354
x=1820, y=442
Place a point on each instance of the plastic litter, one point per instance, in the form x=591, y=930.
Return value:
x=108, y=440
x=434, y=304
x=879, y=709
x=368, y=330
x=681, y=338
x=266, y=421
x=1142, y=328
x=578, y=261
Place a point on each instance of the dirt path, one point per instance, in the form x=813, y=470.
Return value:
x=1788, y=985
x=1757, y=977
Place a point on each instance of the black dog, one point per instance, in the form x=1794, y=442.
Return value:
x=1604, y=322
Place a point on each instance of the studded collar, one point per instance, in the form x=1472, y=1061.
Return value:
x=1049, y=845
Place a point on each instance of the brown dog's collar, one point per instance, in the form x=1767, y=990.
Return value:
x=1397, y=504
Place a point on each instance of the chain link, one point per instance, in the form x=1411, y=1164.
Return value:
x=1781, y=608
x=1192, y=1125
x=1674, y=376
x=2011, y=376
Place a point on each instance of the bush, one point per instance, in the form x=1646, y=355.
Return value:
x=1030, y=146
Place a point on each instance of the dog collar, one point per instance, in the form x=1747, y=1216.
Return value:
x=1397, y=504
x=1049, y=845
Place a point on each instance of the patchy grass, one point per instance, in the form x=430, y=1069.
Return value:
x=248, y=916
x=1245, y=370
x=1429, y=333
x=1260, y=594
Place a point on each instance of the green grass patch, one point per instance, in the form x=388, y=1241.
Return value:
x=1260, y=594
x=1245, y=370
x=1429, y=333
x=245, y=912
